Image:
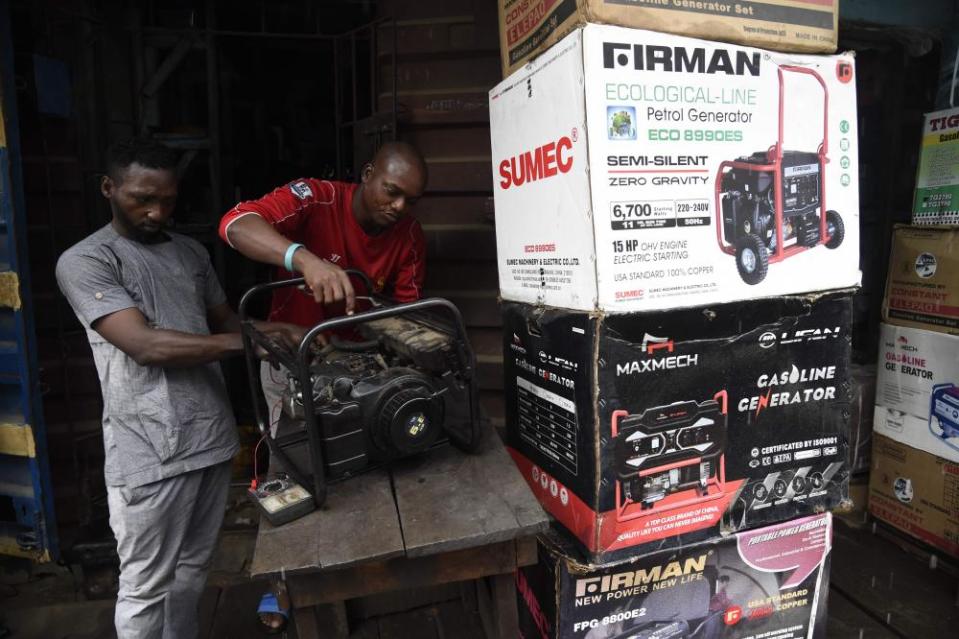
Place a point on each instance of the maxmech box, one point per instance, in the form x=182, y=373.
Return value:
x=922, y=289
x=529, y=27
x=657, y=429
x=637, y=171
x=937, y=179
x=917, y=389
x=916, y=492
x=772, y=582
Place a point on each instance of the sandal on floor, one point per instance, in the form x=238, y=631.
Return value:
x=270, y=605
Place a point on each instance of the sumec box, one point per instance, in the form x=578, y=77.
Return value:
x=638, y=171
x=657, y=429
x=772, y=582
x=529, y=27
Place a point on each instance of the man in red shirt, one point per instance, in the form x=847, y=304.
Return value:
x=318, y=228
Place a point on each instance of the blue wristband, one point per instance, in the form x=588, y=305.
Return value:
x=288, y=258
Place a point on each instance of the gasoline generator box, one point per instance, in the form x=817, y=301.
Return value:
x=922, y=290
x=916, y=492
x=529, y=27
x=637, y=171
x=917, y=390
x=658, y=429
x=771, y=582
x=936, y=199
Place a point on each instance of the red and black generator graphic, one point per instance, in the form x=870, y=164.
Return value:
x=669, y=456
x=771, y=205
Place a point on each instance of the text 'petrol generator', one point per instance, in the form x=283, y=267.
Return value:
x=669, y=456
x=771, y=205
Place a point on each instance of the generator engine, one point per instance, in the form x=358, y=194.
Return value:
x=749, y=200
x=391, y=396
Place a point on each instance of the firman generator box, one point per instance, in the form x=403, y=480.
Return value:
x=637, y=171
x=922, y=290
x=772, y=582
x=937, y=180
x=917, y=390
x=529, y=27
x=654, y=430
x=916, y=492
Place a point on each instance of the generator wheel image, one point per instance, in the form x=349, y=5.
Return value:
x=752, y=259
x=835, y=228
x=937, y=429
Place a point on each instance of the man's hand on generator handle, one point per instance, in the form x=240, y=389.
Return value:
x=327, y=282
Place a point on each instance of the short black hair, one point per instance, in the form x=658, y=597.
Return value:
x=143, y=151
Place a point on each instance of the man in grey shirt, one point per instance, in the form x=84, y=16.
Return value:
x=158, y=322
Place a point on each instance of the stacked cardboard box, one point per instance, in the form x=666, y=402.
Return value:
x=677, y=303
x=914, y=483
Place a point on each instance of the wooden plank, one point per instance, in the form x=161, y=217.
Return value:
x=441, y=208
x=479, y=307
x=311, y=589
x=912, y=599
x=327, y=539
x=846, y=620
x=452, y=242
x=505, y=614
x=451, y=274
x=451, y=141
x=460, y=174
x=463, y=105
x=438, y=73
x=449, y=500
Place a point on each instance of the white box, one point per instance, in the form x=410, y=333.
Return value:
x=917, y=401
x=597, y=208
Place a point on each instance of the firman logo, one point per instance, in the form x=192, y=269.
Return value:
x=649, y=57
x=542, y=162
x=617, y=581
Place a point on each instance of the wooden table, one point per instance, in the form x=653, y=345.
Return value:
x=440, y=518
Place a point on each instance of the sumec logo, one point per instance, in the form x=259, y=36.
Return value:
x=545, y=161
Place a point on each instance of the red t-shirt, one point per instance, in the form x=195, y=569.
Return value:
x=319, y=215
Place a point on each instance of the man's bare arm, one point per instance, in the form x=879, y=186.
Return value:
x=252, y=236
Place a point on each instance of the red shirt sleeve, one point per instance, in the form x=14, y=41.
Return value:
x=408, y=283
x=286, y=208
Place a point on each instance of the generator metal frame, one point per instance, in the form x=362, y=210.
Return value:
x=774, y=155
x=299, y=365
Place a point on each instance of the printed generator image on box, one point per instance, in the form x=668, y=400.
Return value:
x=770, y=582
x=638, y=171
x=655, y=430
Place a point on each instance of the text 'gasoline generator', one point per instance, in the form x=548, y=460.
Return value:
x=771, y=205
x=669, y=456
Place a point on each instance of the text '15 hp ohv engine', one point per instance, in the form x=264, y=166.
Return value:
x=405, y=386
x=772, y=204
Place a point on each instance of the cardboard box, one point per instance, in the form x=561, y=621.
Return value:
x=916, y=492
x=631, y=174
x=529, y=27
x=917, y=390
x=657, y=429
x=922, y=290
x=937, y=179
x=771, y=582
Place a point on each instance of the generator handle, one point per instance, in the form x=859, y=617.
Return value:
x=825, y=109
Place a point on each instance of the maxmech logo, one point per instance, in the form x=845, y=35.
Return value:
x=648, y=57
x=540, y=163
x=650, y=345
x=642, y=577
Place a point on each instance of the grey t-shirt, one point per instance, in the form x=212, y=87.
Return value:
x=157, y=422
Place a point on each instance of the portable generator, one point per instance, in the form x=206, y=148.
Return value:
x=405, y=387
x=771, y=205
x=944, y=409
x=669, y=456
